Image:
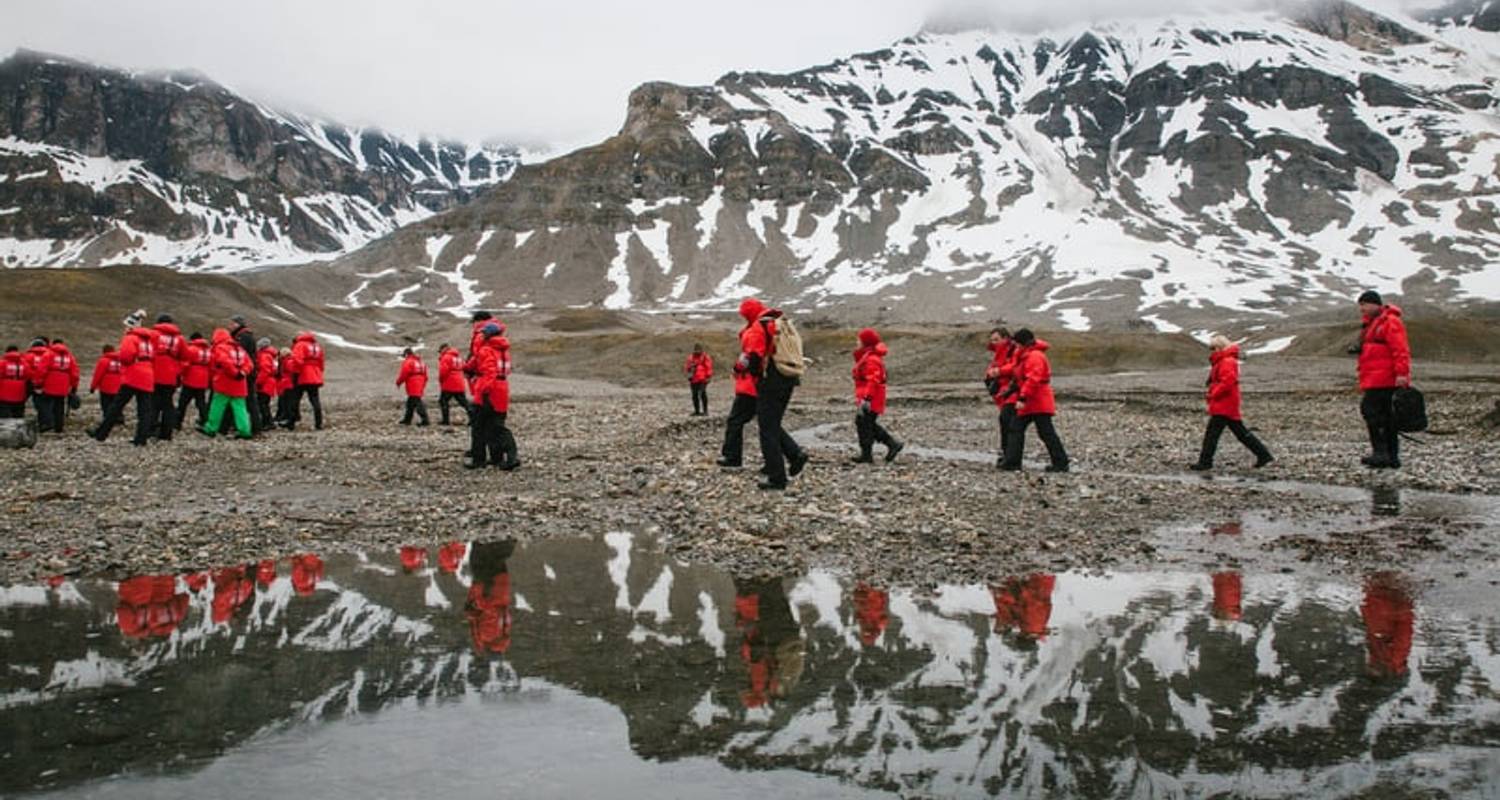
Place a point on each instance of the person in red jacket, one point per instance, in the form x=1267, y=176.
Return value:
x=15, y=384
x=233, y=587
x=1389, y=618
x=1223, y=396
x=872, y=612
x=1026, y=605
x=107, y=377
x=1228, y=591
x=307, y=356
x=490, y=602
x=491, y=440
x=869, y=397
x=413, y=376
x=286, y=382
x=742, y=408
x=137, y=353
x=37, y=360
x=771, y=646
x=1384, y=366
x=998, y=380
x=167, y=353
x=699, y=369
x=772, y=393
x=1032, y=387
x=194, y=368
x=267, y=378
x=451, y=384
x=231, y=374
x=59, y=383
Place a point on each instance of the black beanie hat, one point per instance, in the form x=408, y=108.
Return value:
x=163, y=317
x=1371, y=296
x=1023, y=337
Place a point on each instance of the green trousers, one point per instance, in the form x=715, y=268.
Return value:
x=236, y=407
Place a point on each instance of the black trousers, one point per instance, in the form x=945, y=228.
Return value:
x=1007, y=427
x=445, y=401
x=1045, y=431
x=263, y=405
x=311, y=393
x=1216, y=426
x=740, y=414
x=867, y=427
x=104, y=400
x=700, y=398
x=1378, y=408
x=258, y=420
x=116, y=414
x=490, y=439
x=13, y=410
x=774, y=394
x=43, y=412
x=165, y=421
x=57, y=412
x=414, y=405
x=199, y=398
x=502, y=441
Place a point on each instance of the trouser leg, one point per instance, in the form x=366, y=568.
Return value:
x=56, y=412
x=263, y=406
x=479, y=433
x=1015, y=446
x=881, y=435
x=240, y=408
x=43, y=412
x=163, y=422
x=12, y=410
x=770, y=408
x=1211, y=436
x=445, y=399
x=1048, y=434
x=180, y=412
x=865, y=436
x=115, y=413
x=505, y=441
x=252, y=407
x=1007, y=427
x=1376, y=406
x=411, y=408
x=422, y=411
x=740, y=414
x=1249, y=440
x=105, y=400
x=215, y=414
x=145, y=417
x=317, y=406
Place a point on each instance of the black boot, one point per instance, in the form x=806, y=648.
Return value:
x=893, y=449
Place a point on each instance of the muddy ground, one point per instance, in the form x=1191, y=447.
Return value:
x=598, y=457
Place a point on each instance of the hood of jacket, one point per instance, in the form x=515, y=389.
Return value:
x=1232, y=351
x=168, y=327
x=752, y=309
x=221, y=336
x=61, y=349
x=1389, y=309
x=145, y=334
x=869, y=337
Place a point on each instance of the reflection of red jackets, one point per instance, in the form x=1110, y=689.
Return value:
x=1034, y=373
x=62, y=372
x=413, y=376
x=167, y=352
x=307, y=570
x=1228, y=590
x=488, y=612
x=770, y=643
x=1389, y=618
x=1384, y=353
x=869, y=376
x=265, y=572
x=451, y=555
x=1025, y=604
x=197, y=355
x=231, y=589
x=871, y=609
x=1224, y=383
x=412, y=558
x=1002, y=369
x=108, y=374
x=149, y=605
x=699, y=367
x=451, y=372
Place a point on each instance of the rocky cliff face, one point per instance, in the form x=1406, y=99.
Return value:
x=1174, y=172
x=99, y=166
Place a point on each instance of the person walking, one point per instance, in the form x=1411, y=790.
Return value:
x=197, y=356
x=267, y=379
x=108, y=374
x=699, y=369
x=59, y=386
x=38, y=360
x=491, y=442
x=231, y=385
x=773, y=393
x=242, y=335
x=1384, y=367
x=1223, y=397
x=15, y=384
x=998, y=380
x=1032, y=385
x=451, y=382
x=413, y=376
x=168, y=350
x=741, y=409
x=869, y=396
x=139, y=384
x=307, y=355
x=286, y=383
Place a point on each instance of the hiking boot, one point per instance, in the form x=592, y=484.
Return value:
x=1201, y=467
x=1056, y=468
x=771, y=486
x=1261, y=461
x=728, y=464
x=862, y=458
x=470, y=463
x=893, y=451
x=1375, y=462
x=1004, y=467
x=795, y=464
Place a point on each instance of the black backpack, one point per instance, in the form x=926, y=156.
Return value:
x=1411, y=410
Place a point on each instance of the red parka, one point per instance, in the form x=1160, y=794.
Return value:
x=232, y=589
x=1389, y=618
x=137, y=352
x=197, y=355
x=412, y=558
x=872, y=611
x=267, y=366
x=1224, y=383
x=167, y=359
x=231, y=366
x=869, y=371
x=1228, y=590
x=451, y=372
x=108, y=374
x=15, y=380
x=308, y=356
x=699, y=367
x=413, y=376
x=61, y=378
x=1034, y=373
x=307, y=570
x=35, y=359
x=491, y=367
x=1024, y=604
x=150, y=605
x=1002, y=369
x=451, y=556
x=755, y=348
x=1384, y=354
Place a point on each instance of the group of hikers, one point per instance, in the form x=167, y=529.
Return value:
x=163, y=372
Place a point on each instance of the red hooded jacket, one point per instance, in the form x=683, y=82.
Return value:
x=451, y=372
x=413, y=376
x=137, y=353
x=308, y=356
x=489, y=613
x=167, y=358
x=150, y=605
x=869, y=371
x=232, y=588
x=15, y=380
x=35, y=359
x=412, y=558
x=1224, y=383
x=267, y=369
x=231, y=366
x=61, y=378
x=1035, y=375
x=699, y=367
x=491, y=366
x=197, y=355
x=1002, y=369
x=1384, y=354
x=753, y=347
x=108, y=373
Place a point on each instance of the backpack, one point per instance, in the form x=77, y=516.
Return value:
x=1410, y=410
x=786, y=347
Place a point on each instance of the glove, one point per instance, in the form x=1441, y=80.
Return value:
x=864, y=407
x=992, y=385
x=73, y=402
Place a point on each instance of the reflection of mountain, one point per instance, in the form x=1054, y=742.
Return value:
x=1136, y=688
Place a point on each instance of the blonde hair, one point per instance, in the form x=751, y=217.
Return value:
x=1218, y=341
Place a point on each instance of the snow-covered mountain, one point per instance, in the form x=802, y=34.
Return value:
x=1232, y=166
x=100, y=166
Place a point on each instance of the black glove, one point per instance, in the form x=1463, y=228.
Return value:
x=992, y=385
x=73, y=402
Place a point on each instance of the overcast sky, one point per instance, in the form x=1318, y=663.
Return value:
x=520, y=71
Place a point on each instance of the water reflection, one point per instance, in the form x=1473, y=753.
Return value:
x=1163, y=685
x=1385, y=501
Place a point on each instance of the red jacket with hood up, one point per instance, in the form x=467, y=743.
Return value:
x=108, y=373
x=231, y=366
x=869, y=371
x=308, y=355
x=1224, y=383
x=451, y=372
x=1034, y=373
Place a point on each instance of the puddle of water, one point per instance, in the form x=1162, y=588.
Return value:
x=591, y=666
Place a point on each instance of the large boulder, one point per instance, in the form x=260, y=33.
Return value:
x=17, y=433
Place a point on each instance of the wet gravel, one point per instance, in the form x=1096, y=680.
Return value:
x=598, y=459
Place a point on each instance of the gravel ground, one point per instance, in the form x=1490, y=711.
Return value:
x=599, y=458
